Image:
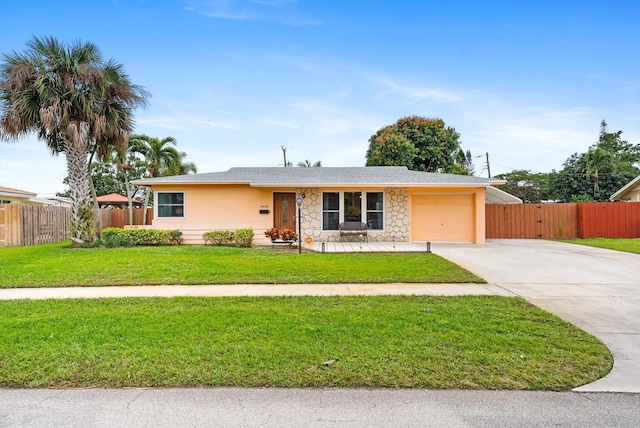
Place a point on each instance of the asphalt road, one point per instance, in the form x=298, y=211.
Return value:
x=248, y=407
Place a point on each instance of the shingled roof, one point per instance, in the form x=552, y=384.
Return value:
x=9, y=191
x=323, y=176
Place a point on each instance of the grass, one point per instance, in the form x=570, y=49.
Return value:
x=58, y=265
x=471, y=342
x=626, y=245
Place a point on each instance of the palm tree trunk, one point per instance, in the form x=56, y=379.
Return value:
x=129, y=196
x=76, y=151
x=146, y=204
x=97, y=219
x=96, y=210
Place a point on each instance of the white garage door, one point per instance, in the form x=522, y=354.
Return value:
x=443, y=218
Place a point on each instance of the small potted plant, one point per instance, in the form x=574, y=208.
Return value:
x=287, y=235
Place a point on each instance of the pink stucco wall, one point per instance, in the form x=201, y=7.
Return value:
x=231, y=207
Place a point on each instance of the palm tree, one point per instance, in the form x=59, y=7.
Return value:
x=161, y=158
x=596, y=159
x=183, y=167
x=307, y=164
x=77, y=103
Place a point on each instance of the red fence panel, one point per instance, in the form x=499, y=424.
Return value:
x=531, y=221
x=609, y=220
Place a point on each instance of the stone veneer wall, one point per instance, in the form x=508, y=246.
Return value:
x=396, y=217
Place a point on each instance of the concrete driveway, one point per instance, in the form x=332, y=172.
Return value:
x=597, y=290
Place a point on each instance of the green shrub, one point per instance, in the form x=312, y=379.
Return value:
x=237, y=238
x=115, y=237
x=219, y=237
x=243, y=237
x=175, y=237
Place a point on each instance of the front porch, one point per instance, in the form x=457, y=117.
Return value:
x=365, y=247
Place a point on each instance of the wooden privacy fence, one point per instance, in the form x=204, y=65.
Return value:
x=563, y=221
x=114, y=217
x=32, y=224
x=36, y=224
x=609, y=220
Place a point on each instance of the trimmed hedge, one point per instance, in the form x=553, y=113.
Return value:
x=236, y=238
x=116, y=237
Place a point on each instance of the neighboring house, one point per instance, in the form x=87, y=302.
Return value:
x=61, y=201
x=396, y=203
x=9, y=195
x=115, y=200
x=630, y=192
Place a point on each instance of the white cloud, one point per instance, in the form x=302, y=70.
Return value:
x=279, y=124
x=182, y=122
x=415, y=93
x=250, y=10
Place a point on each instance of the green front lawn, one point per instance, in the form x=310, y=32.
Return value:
x=627, y=245
x=57, y=265
x=472, y=342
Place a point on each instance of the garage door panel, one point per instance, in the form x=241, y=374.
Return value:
x=443, y=218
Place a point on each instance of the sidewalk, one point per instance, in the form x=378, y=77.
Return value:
x=252, y=290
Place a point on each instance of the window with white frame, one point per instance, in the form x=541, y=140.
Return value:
x=169, y=204
x=367, y=207
x=375, y=211
x=330, y=210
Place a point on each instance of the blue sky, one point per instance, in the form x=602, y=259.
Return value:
x=234, y=81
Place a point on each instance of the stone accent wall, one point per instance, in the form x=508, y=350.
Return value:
x=311, y=214
x=396, y=217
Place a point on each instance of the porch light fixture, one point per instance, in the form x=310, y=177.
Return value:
x=299, y=199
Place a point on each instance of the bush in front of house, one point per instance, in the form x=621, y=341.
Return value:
x=236, y=238
x=116, y=237
x=244, y=237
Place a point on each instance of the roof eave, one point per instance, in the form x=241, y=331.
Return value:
x=364, y=185
x=625, y=189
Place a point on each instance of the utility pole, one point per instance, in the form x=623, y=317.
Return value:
x=284, y=154
x=488, y=167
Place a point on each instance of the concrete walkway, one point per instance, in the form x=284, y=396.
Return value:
x=598, y=290
x=252, y=290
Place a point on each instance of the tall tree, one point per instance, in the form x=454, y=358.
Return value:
x=419, y=143
x=529, y=186
x=77, y=103
x=600, y=172
x=182, y=167
x=466, y=161
x=160, y=156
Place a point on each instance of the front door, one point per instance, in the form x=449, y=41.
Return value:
x=284, y=211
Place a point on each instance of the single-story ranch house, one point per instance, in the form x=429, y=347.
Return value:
x=394, y=202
